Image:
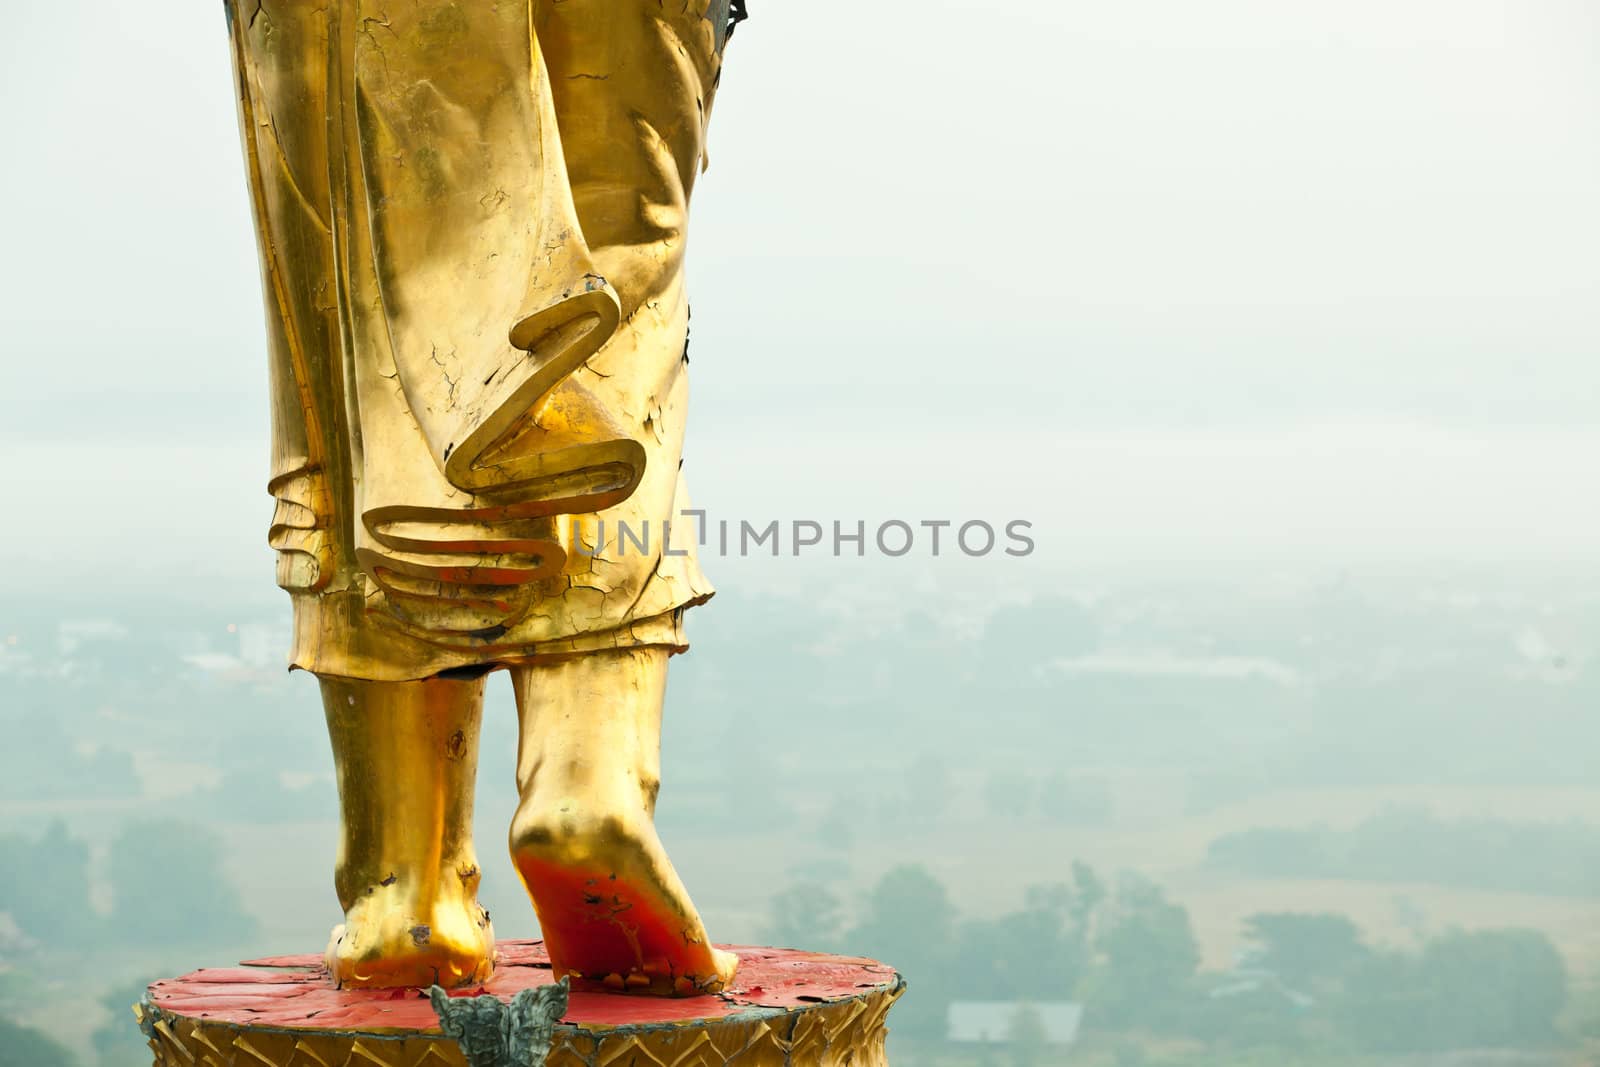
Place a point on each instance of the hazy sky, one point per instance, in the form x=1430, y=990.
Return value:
x=1173, y=278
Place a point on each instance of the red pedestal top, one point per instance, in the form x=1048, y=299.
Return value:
x=295, y=992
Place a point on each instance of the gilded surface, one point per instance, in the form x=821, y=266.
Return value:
x=472, y=220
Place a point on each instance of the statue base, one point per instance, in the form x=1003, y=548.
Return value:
x=783, y=1008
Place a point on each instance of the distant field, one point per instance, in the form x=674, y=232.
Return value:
x=987, y=864
x=1218, y=906
x=285, y=871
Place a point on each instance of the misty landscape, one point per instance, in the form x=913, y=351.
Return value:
x=1274, y=322
x=1255, y=820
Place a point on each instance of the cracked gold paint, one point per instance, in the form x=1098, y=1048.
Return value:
x=471, y=219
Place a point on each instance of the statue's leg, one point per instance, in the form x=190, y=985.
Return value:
x=406, y=756
x=610, y=904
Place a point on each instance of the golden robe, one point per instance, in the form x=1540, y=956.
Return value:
x=471, y=218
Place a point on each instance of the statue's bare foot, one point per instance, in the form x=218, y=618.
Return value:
x=611, y=907
x=396, y=935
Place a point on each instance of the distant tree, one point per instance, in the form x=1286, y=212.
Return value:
x=1040, y=951
x=1149, y=957
x=1479, y=989
x=1027, y=1037
x=1493, y=988
x=170, y=887
x=1260, y=1018
x=908, y=908
x=1030, y=953
x=1088, y=893
x=806, y=915
x=1384, y=1005
x=44, y=884
x=908, y=921
x=1275, y=853
x=22, y=1046
x=1058, y=900
x=1306, y=950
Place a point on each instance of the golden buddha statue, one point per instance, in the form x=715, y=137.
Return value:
x=471, y=218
